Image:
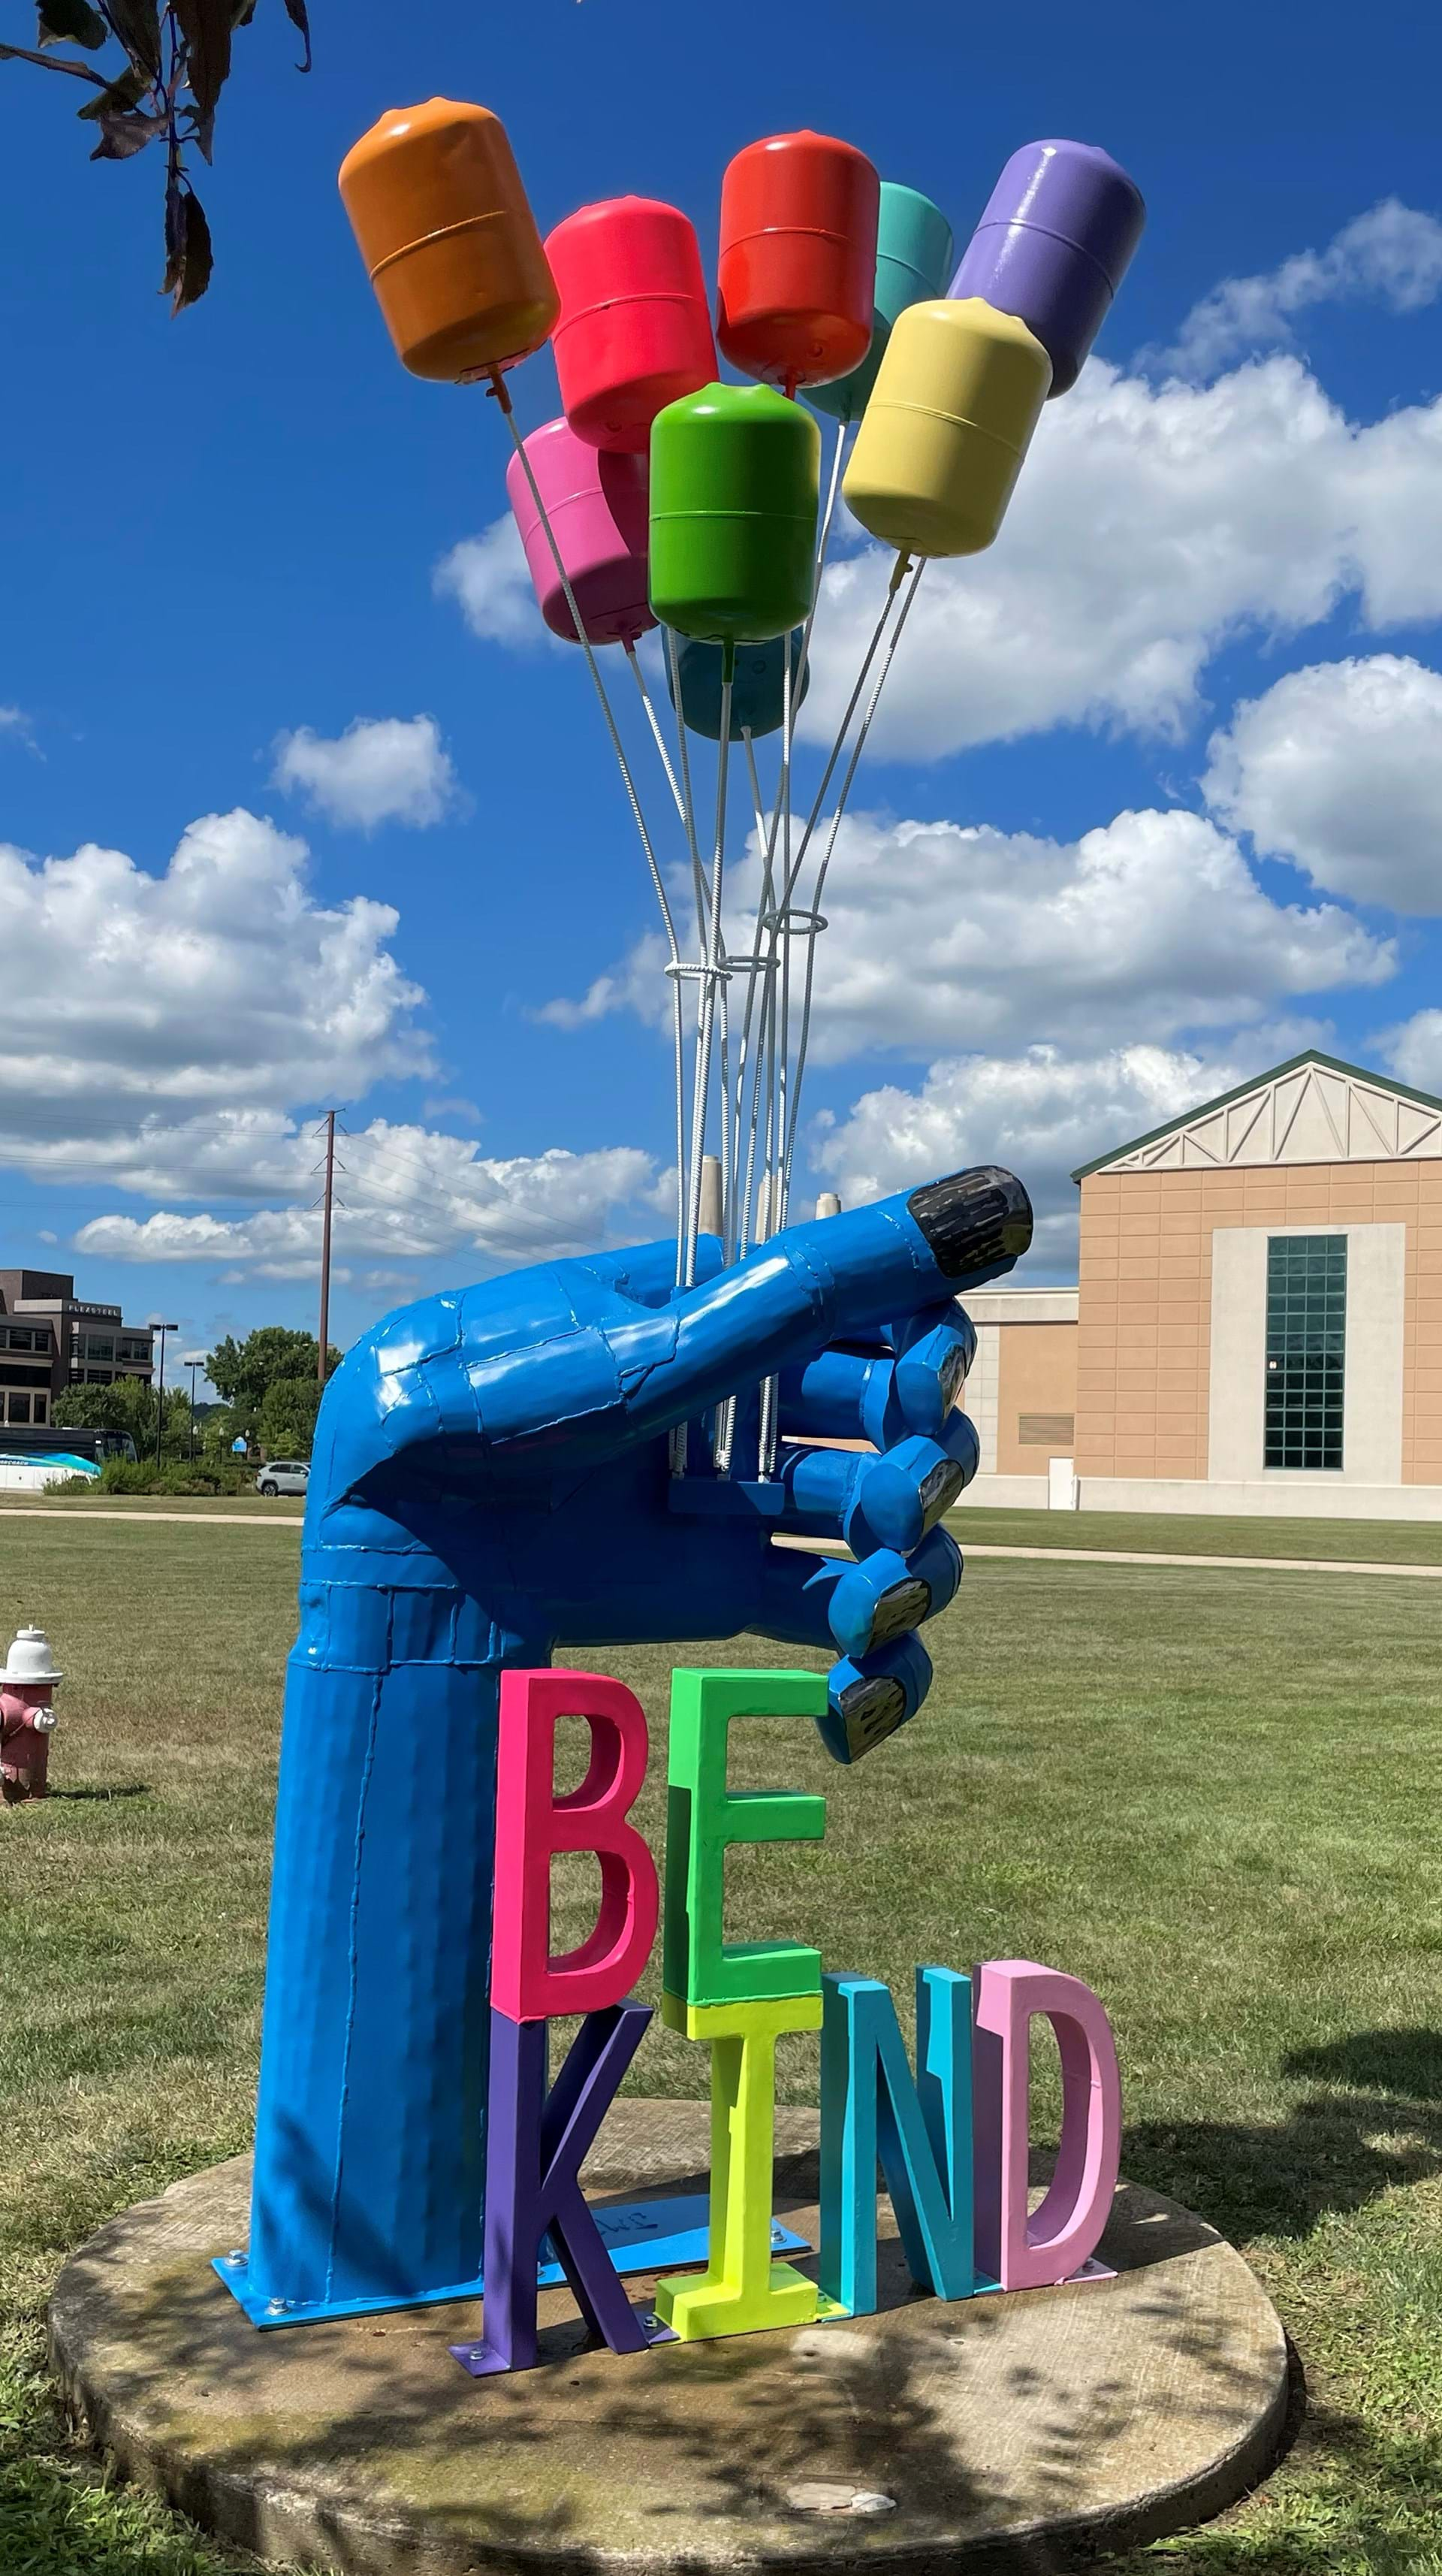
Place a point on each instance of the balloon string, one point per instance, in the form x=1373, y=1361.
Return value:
x=707, y=1019
x=841, y=802
x=688, y=812
x=499, y=389
x=654, y=721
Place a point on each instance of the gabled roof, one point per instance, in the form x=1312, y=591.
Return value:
x=1312, y=1109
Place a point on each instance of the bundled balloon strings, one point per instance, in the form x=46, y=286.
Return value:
x=713, y=978
x=498, y=387
x=821, y=874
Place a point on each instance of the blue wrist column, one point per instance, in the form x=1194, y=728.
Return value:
x=370, y=2127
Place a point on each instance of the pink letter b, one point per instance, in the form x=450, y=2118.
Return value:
x=532, y=1823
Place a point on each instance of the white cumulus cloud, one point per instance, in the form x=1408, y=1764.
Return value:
x=1151, y=527
x=1042, y=1113
x=487, y=578
x=1391, y=255
x=1339, y=767
x=382, y=769
x=153, y=1004
x=1152, y=924
x=409, y=1194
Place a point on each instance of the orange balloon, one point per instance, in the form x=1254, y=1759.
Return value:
x=444, y=227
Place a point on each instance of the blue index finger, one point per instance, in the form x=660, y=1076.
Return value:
x=869, y=1700
x=836, y=1279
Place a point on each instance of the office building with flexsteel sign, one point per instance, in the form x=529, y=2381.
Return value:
x=1257, y=1324
x=50, y=1339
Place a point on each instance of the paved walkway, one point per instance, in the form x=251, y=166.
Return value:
x=813, y=1546
x=192, y=1520
x=1252, y=1564
x=1137, y=1556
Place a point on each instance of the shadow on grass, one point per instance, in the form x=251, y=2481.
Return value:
x=1378, y=2126
x=127, y=1789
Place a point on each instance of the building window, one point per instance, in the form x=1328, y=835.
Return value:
x=42, y=1408
x=1306, y=1348
x=18, y=1408
x=99, y=1377
x=98, y=1350
x=21, y=1338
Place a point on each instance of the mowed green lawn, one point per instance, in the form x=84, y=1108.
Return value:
x=1204, y=1534
x=1212, y=1794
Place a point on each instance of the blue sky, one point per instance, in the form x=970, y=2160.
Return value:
x=1153, y=785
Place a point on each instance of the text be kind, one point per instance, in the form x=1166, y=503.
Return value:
x=951, y=2138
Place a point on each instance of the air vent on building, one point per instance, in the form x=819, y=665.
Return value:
x=1053, y=1431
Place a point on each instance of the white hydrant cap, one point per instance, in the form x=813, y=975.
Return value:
x=30, y=1659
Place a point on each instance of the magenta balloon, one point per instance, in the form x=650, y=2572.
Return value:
x=599, y=509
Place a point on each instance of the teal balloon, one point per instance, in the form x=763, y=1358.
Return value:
x=914, y=251
x=757, y=691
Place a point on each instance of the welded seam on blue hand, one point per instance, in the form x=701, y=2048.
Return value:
x=353, y=1961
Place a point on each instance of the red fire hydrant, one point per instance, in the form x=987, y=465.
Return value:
x=27, y=1719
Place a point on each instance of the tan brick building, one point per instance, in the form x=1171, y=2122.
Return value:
x=1257, y=1325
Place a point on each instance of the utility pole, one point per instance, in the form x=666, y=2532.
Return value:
x=194, y=1361
x=163, y=1329
x=325, y=1244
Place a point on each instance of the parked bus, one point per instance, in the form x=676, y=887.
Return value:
x=43, y=1454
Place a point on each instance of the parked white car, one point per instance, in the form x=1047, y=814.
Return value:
x=283, y=1476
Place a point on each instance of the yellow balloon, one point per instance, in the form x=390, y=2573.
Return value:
x=941, y=441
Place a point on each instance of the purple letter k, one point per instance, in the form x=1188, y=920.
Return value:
x=536, y=2144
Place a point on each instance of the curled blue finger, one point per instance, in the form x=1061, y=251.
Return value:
x=872, y=1603
x=869, y=1699
x=929, y=1375
x=847, y=1393
x=897, y=1498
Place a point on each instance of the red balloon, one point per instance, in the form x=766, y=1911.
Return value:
x=797, y=271
x=635, y=326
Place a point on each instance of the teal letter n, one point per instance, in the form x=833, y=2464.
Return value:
x=918, y=2129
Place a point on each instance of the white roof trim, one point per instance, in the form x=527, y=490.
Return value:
x=1307, y=1113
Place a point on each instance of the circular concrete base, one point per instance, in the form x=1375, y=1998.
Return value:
x=927, y=2436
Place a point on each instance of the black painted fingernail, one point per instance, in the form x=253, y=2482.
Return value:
x=973, y=1220
x=870, y=1709
x=904, y=1606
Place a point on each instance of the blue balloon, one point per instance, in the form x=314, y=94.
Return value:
x=758, y=701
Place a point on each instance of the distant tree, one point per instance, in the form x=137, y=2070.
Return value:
x=161, y=85
x=243, y=1373
x=287, y=1417
x=127, y=1405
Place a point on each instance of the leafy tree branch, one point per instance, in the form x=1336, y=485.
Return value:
x=165, y=63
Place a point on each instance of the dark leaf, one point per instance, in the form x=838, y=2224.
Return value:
x=52, y=63
x=174, y=231
x=122, y=136
x=71, y=22
x=117, y=95
x=205, y=25
x=137, y=24
x=295, y=11
x=189, y=257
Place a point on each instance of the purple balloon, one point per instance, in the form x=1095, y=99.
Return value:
x=1053, y=246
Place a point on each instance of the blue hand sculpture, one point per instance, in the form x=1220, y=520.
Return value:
x=495, y=1476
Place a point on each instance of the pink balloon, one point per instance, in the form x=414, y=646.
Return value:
x=599, y=509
